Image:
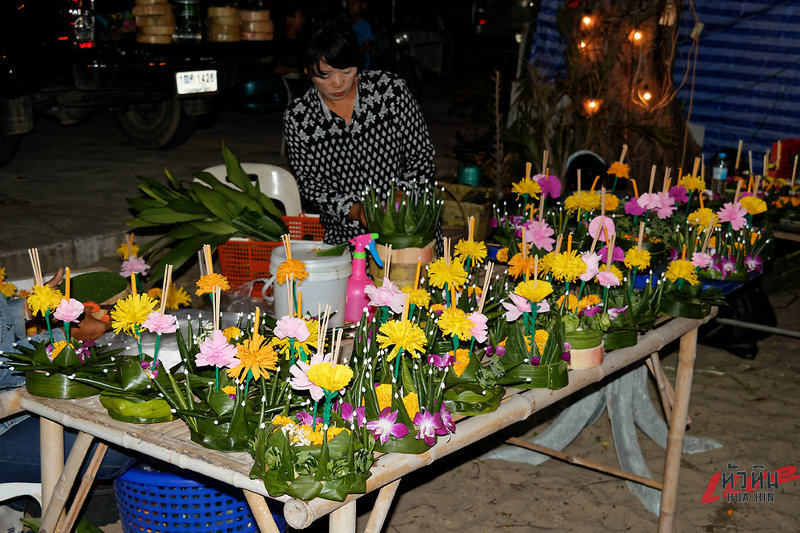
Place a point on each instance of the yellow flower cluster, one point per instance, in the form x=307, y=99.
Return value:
x=588, y=301
x=473, y=249
x=637, y=258
x=692, y=183
x=206, y=284
x=540, y=336
x=330, y=378
x=502, y=255
x=526, y=186
x=291, y=267
x=534, y=290
x=402, y=334
x=256, y=356
x=309, y=345
x=440, y=273
x=682, y=269
x=567, y=266
x=701, y=217
x=177, y=297
x=584, y=200
x=618, y=169
x=418, y=297
x=519, y=266
x=125, y=252
x=462, y=360
x=43, y=299
x=231, y=333
x=753, y=205
x=571, y=304
x=454, y=322
x=129, y=313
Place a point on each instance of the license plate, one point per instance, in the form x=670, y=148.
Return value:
x=196, y=81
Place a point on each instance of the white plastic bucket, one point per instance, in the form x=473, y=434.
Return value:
x=326, y=283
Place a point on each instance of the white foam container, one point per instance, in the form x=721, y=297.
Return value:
x=326, y=283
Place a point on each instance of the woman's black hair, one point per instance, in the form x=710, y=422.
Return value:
x=336, y=44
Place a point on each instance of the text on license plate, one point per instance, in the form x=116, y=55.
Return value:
x=196, y=81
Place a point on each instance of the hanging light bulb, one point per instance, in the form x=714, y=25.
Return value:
x=587, y=20
x=591, y=105
x=583, y=45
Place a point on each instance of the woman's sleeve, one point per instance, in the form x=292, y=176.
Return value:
x=419, y=167
x=315, y=187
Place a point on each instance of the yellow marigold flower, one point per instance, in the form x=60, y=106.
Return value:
x=572, y=302
x=129, y=313
x=333, y=431
x=753, y=205
x=701, y=217
x=308, y=346
x=177, y=297
x=682, y=269
x=440, y=273
x=438, y=308
x=534, y=290
x=692, y=183
x=277, y=420
x=402, y=334
x=7, y=289
x=618, y=169
x=44, y=298
x=462, y=360
x=518, y=265
x=541, y=337
x=545, y=262
x=454, y=322
x=207, y=283
x=612, y=202
x=2, y=273
x=231, y=333
x=230, y=390
x=526, y=186
x=291, y=267
x=411, y=403
x=256, y=356
x=587, y=301
x=583, y=200
x=567, y=266
x=637, y=257
x=502, y=255
x=476, y=250
x=58, y=347
x=418, y=297
x=384, y=394
x=330, y=378
x=124, y=252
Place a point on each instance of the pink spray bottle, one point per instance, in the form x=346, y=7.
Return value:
x=356, y=300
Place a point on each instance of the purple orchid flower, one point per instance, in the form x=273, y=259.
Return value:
x=754, y=263
x=493, y=223
x=83, y=352
x=448, y=426
x=566, y=356
x=348, y=413
x=387, y=426
x=592, y=310
x=441, y=362
x=726, y=266
x=428, y=423
x=673, y=254
x=614, y=312
x=306, y=419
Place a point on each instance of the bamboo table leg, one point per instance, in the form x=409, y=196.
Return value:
x=382, y=505
x=52, y=510
x=84, y=489
x=343, y=519
x=261, y=512
x=51, y=450
x=677, y=429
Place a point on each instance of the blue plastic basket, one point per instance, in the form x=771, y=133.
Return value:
x=161, y=502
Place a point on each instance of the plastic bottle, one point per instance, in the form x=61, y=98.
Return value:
x=356, y=300
x=188, y=21
x=719, y=175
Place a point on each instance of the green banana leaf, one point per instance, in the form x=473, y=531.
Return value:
x=134, y=409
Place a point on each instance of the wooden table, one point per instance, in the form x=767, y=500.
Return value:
x=170, y=442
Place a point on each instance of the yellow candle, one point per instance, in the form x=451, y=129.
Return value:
x=133, y=283
x=635, y=188
x=256, y=321
x=683, y=252
x=416, y=275
x=569, y=242
x=66, y=283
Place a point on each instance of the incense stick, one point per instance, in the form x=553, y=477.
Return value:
x=33, y=254
x=738, y=155
x=165, y=288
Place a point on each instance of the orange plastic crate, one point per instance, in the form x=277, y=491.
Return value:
x=245, y=260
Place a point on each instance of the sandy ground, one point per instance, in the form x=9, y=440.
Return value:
x=751, y=406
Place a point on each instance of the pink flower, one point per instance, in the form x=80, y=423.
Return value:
x=387, y=294
x=550, y=185
x=540, y=234
x=428, y=424
x=733, y=213
x=648, y=201
x=387, y=426
x=519, y=305
x=666, y=205
x=679, y=194
x=632, y=207
x=592, y=262
x=160, y=323
x=448, y=426
x=441, y=362
x=292, y=327
x=68, y=310
x=134, y=265
x=616, y=254
x=607, y=279
x=300, y=381
x=480, y=329
x=216, y=351
x=701, y=260
x=598, y=225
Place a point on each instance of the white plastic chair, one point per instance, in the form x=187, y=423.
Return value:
x=12, y=491
x=274, y=181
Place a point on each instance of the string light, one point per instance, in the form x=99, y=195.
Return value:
x=591, y=105
x=587, y=20
x=583, y=45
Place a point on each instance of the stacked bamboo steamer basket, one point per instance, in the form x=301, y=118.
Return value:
x=256, y=25
x=223, y=25
x=155, y=22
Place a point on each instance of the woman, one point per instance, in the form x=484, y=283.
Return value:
x=353, y=130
